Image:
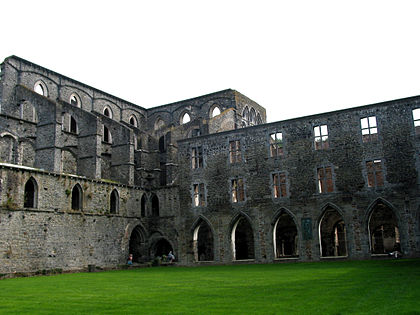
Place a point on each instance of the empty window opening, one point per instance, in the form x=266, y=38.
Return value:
x=235, y=155
x=259, y=119
x=416, y=119
x=285, y=237
x=238, y=190
x=196, y=157
x=325, y=180
x=215, y=112
x=73, y=125
x=375, y=175
x=76, y=197
x=383, y=230
x=159, y=123
x=162, y=146
x=245, y=116
x=133, y=121
x=203, y=242
x=369, y=129
x=160, y=248
x=143, y=206
x=332, y=234
x=155, y=206
x=242, y=240
x=75, y=100
x=279, y=185
x=195, y=132
x=185, y=118
x=321, y=137
x=107, y=112
x=276, y=144
x=137, y=245
x=114, y=202
x=199, y=197
x=107, y=137
x=31, y=193
x=40, y=88
x=252, y=117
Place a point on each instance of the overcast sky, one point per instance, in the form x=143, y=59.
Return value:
x=295, y=58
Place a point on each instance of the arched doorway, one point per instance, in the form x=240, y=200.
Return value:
x=242, y=240
x=160, y=247
x=383, y=230
x=31, y=193
x=137, y=244
x=203, y=244
x=332, y=234
x=285, y=236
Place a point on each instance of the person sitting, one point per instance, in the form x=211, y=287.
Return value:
x=171, y=257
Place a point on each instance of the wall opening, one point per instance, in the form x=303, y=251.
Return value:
x=332, y=234
x=137, y=245
x=160, y=248
x=383, y=230
x=76, y=197
x=203, y=244
x=155, y=206
x=143, y=206
x=114, y=202
x=31, y=194
x=285, y=237
x=242, y=240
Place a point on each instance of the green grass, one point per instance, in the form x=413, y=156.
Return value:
x=342, y=287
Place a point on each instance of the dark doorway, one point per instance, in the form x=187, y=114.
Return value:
x=242, y=240
x=203, y=242
x=332, y=233
x=30, y=193
x=285, y=237
x=136, y=246
x=161, y=247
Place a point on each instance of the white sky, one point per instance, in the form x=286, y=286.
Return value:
x=295, y=58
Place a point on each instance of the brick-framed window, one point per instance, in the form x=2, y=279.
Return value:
x=276, y=144
x=375, y=174
x=238, y=190
x=199, y=197
x=369, y=129
x=321, y=137
x=235, y=151
x=416, y=120
x=325, y=179
x=196, y=157
x=279, y=182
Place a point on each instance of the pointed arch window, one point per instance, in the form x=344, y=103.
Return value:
x=75, y=100
x=31, y=194
x=133, y=121
x=143, y=206
x=114, y=202
x=107, y=112
x=155, y=206
x=215, y=111
x=185, y=118
x=41, y=88
x=76, y=197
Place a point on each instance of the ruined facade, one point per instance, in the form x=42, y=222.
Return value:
x=87, y=178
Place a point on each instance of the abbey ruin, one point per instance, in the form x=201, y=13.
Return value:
x=87, y=178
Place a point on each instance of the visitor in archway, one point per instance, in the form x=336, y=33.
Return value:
x=171, y=257
x=130, y=259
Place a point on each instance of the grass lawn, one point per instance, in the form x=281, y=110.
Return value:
x=340, y=287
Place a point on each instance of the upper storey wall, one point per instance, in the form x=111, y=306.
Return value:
x=55, y=86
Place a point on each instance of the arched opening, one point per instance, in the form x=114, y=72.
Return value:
x=252, y=117
x=159, y=123
x=40, y=88
x=155, y=206
x=285, y=237
x=75, y=100
x=160, y=248
x=137, y=245
x=245, y=116
x=185, y=118
x=203, y=244
x=259, y=119
x=31, y=194
x=76, y=197
x=143, y=206
x=107, y=112
x=383, y=230
x=242, y=240
x=107, y=137
x=215, y=111
x=133, y=121
x=114, y=202
x=332, y=234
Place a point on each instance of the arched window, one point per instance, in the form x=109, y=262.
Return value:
x=41, y=88
x=114, y=202
x=155, y=206
x=75, y=100
x=31, y=194
x=185, y=118
x=107, y=137
x=143, y=206
x=159, y=123
x=162, y=146
x=133, y=121
x=245, y=116
x=76, y=197
x=252, y=117
x=215, y=111
x=259, y=119
x=107, y=112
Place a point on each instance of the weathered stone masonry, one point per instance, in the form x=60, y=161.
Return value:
x=87, y=178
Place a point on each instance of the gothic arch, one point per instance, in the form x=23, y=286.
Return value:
x=285, y=234
x=242, y=237
x=154, y=200
x=143, y=203
x=31, y=194
x=332, y=232
x=203, y=240
x=114, y=201
x=77, y=198
x=137, y=243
